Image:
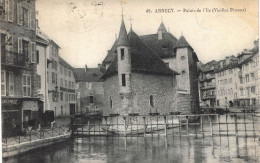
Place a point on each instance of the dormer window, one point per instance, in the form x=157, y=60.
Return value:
x=122, y=51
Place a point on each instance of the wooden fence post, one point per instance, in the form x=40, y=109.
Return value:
x=88, y=128
x=187, y=118
x=106, y=126
x=165, y=126
x=124, y=126
x=235, y=119
x=144, y=126
x=211, y=126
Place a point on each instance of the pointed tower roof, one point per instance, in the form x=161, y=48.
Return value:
x=162, y=28
x=143, y=59
x=182, y=42
x=122, y=38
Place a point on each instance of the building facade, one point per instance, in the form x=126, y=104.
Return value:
x=57, y=86
x=177, y=55
x=136, y=79
x=18, y=65
x=248, y=94
x=90, y=90
x=207, y=84
x=227, y=82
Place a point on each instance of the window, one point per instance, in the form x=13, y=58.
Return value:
x=24, y=17
x=65, y=71
x=111, y=102
x=26, y=85
x=183, y=72
x=123, y=80
x=3, y=83
x=253, y=76
x=241, y=80
x=247, y=78
x=10, y=10
x=151, y=101
x=33, y=52
x=9, y=42
x=61, y=96
x=69, y=73
x=91, y=99
x=61, y=82
x=39, y=81
x=66, y=96
x=73, y=85
x=25, y=49
x=253, y=89
x=182, y=57
x=66, y=83
x=122, y=51
x=69, y=84
x=37, y=57
x=61, y=110
x=11, y=83
x=53, y=77
x=241, y=91
x=167, y=64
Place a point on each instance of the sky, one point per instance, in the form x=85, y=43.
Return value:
x=86, y=29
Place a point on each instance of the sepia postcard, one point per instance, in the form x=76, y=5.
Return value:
x=130, y=81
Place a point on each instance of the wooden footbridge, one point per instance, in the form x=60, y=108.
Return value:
x=199, y=125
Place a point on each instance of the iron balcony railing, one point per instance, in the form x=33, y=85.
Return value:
x=13, y=59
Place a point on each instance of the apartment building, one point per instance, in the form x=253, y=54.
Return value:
x=18, y=66
x=248, y=80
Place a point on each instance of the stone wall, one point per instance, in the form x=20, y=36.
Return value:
x=142, y=86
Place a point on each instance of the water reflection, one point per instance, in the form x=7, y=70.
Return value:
x=170, y=148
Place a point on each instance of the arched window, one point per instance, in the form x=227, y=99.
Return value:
x=151, y=100
x=111, y=103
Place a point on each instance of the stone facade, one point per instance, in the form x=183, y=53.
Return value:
x=142, y=87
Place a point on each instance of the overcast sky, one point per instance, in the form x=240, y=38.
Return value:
x=86, y=29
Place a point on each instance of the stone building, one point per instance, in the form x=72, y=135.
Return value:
x=151, y=73
x=248, y=94
x=227, y=82
x=56, y=78
x=18, y=67
x=207, y=83
x=90, y=90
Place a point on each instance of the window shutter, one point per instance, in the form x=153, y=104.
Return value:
x=6, y=10
x=19, y=14
x=20, y=47
x=10, y=10
x=33, y=52
x=32, y=19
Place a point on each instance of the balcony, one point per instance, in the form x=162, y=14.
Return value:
x=208, y=97
x=13, y=59
x=210, y=86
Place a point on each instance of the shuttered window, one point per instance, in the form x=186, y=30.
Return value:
x=32, y=16
x=3, y=83
x=11, y=83
x=33, y=52
x=10, y=10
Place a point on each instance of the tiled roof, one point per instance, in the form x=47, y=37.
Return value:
x=249, y=58
x=122, y=38
x=143, y=59
x=182, y=42
x=162, y=48
x=110, y=54
x=91, y=75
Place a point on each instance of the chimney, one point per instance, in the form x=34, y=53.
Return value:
x=86, y=67
x=227, y=60
x=99, y=66
x=221, y=64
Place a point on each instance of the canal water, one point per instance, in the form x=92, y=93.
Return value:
x=156, y=148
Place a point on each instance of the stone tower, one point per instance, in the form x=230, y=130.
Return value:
x=187, y=81
x=124, y=67
x=161, y=31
